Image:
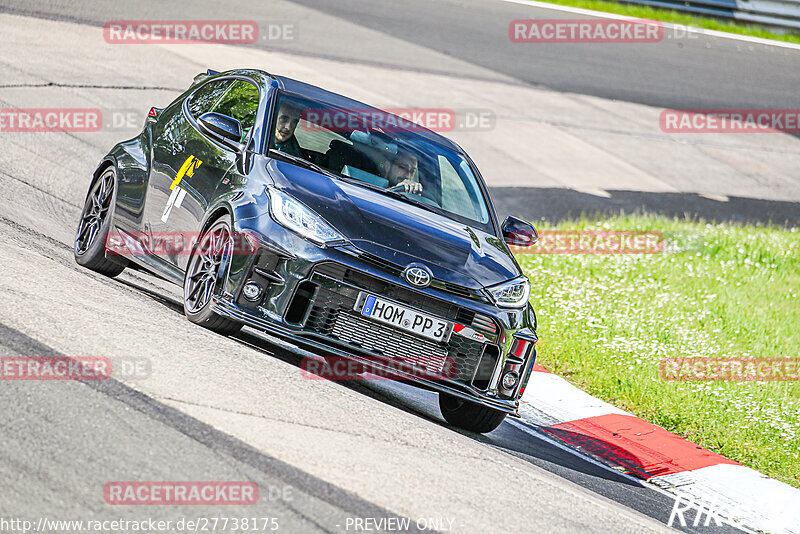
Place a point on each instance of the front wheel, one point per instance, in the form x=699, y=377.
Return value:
x=469, y=415
x=205, y=273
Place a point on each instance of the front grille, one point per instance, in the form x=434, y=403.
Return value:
x=325, y=309
x=466, y=354
x=332, y=314
x=376, y=286
x=398, y=345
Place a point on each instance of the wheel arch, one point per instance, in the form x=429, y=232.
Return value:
x=107, y=162
x=216, y=213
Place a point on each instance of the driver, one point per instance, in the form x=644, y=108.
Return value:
x=285, y=141
x=402, y=171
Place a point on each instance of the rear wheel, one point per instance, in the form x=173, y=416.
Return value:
x=90, y=239
x=469, y=415
x=205, y=273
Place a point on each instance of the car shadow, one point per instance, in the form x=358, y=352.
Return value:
x=424, y=404
x=138, y=285
x=556, y=205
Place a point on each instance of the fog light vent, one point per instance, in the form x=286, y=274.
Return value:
x=251, y=291
x=510, y=380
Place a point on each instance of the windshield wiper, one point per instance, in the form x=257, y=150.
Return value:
x=398, y=195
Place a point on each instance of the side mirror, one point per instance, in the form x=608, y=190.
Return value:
x=223, y=128
x=519, y=233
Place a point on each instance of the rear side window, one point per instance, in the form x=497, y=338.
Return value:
x=240, y=102
x=237, y=99
x=204, y=99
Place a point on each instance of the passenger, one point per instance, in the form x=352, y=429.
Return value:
x=402, y=171
x=285, y=126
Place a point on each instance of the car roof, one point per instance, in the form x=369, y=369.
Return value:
x=317, y=93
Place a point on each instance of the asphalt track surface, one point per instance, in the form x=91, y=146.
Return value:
x=682, y=72
x=215, y=408
x=468, y=39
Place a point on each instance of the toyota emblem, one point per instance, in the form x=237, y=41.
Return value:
x=418, y=275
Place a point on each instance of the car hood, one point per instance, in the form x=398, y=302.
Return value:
x=399, y=232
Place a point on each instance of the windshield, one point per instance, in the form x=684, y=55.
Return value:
x=381, y=151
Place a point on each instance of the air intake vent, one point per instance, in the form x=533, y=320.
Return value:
x=484, y=324
x=336, y=271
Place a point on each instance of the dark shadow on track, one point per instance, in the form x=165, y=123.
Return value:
x=172, y=304
x=512, y=438
x=555, y=205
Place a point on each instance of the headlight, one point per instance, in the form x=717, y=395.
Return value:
x=513, y=294
x=292, y=214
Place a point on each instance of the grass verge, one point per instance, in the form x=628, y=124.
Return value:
x=676, y=17
x=718, y=290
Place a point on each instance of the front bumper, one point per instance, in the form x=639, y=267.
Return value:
x=494, y=342
x=313, y=342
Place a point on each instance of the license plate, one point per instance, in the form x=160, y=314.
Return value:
x=391, y=313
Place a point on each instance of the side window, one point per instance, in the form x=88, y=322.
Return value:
x=241, y=103
x=207, y=97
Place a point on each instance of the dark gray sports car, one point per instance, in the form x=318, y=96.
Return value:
x=296, y=211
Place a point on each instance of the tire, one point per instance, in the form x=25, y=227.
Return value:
x=93, y=227
x=469, y=416
x=207, y=266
